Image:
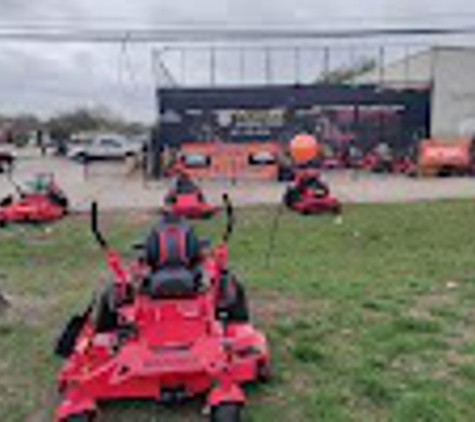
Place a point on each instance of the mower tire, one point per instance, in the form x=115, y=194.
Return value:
x=234, y=305
x=291, y=196
x=226, y=412
x=82, y=417
x=66, y=342
x=337, y=210
x=238, y=310
x=106, y=315
x=264, y=372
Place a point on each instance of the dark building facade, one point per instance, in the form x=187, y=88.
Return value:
x=337, y=114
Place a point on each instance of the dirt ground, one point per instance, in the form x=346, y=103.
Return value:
x=116, y=186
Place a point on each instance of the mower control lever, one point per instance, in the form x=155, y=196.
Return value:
x=95, y=226
x=114, y=260
x=228, y=206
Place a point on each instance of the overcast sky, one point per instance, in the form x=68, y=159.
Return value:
x=47, y=78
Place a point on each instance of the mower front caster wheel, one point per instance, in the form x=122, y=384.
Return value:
x=83, y=417
x=226, y=412
x=264, y=372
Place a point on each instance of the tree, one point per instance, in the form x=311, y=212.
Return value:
x=346, y=74
x=135, y=128
x=18, y=129
x=24, y=123
x=64, y=125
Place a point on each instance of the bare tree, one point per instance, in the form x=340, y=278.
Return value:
x=66, y=124
x=346, y=74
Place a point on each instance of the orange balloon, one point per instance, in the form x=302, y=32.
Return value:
x=303, y=148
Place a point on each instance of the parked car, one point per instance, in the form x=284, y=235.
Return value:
x=105, y=147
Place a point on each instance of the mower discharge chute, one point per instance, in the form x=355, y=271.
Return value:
x=174, y=324
x=42, y=201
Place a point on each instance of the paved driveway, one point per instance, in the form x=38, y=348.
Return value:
x=116, y=187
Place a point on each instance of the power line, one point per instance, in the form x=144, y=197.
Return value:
x=218, y=34
x=113, y=20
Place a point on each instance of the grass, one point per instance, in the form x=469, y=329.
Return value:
x=370, y=319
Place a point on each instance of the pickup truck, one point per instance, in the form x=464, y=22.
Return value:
x=106, y=147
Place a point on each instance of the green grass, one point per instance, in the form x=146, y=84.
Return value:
x=369, y=320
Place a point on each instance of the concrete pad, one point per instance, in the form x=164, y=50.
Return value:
x=115, y=187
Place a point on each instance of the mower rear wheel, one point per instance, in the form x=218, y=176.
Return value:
x=234, y=306
x=336, y=210
x=106, y=317
x=66, y=342
x=82, y=417
x=264, y=372
x=226, y=412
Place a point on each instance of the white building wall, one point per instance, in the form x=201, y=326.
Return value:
x=453, y=98
x=413, y=71
x=451, y=72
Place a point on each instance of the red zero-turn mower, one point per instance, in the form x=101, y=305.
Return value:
x=309, y=195
x=187, y=200
x=173, y=325
x=43, y=201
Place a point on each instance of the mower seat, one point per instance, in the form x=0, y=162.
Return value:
x=172, y=252
x=173, y=282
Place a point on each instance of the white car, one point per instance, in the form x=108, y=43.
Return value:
x=106, y=147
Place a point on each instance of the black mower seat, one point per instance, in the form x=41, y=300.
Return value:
x=173, y=254
x=167, y=283
x=172, y=244
x=186, y=185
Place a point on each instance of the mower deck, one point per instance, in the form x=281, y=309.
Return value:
x=316, y=205
x=32, y=208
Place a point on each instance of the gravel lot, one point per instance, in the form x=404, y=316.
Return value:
x=116, y=187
